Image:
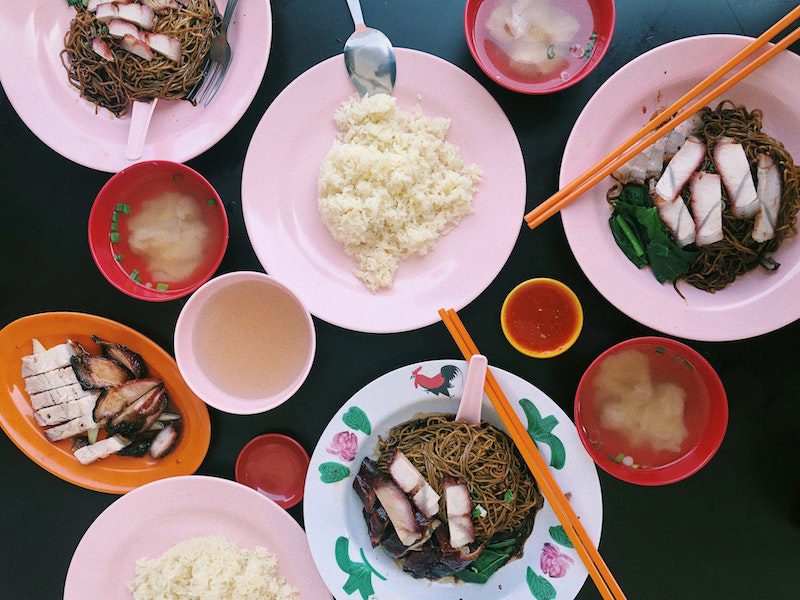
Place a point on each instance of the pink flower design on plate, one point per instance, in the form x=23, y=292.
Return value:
x=553, y=562
x=345, y=445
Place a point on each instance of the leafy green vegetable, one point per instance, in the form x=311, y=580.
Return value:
x=495, y=554
x=644, y=238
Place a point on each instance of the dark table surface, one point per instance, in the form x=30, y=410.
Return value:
x=730, y=531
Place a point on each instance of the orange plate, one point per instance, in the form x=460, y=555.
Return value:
x=115, y=474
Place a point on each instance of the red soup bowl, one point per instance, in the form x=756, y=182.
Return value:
x=489, y=57
x=705, y=414
x=118, y=202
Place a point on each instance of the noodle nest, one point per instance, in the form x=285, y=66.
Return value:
x=481, y=455
x=115, y=84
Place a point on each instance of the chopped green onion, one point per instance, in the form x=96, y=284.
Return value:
x=135, y=274
x=478, y=512
x=660, y=350
x=114, y=217
x=119, y=207
x=114, y=237
x=118, y=256
x=162, y=287
x=115, y=227
x=551, y=52
x=104, y=28
x=91, y=435
x=126, y=209
x=618, y=458
x=508, y=496
x=211, y=202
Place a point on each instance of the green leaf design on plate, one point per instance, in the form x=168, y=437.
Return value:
x=540, y=431
x=539, y=586
x=360, y=573
x=355, y=418
x=331, y=472
x=560, y=536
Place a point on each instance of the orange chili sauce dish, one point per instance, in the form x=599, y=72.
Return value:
x=541, y=317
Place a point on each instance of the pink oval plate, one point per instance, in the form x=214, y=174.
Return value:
x=756, y=303
x=151, y=519
x=274, y=465
x=279, y=197
x=36, y=85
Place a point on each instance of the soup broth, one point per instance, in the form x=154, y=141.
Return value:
x=645, y=407
x=251, y=340
x=534, y=42
x=166, y=231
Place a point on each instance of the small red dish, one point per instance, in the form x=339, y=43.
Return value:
x=106, y=220
x=705, y=438
x=604, y=16
x=274, y=465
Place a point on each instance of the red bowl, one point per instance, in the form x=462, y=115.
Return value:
x=274, y=465
x=604, y=14
x=100, y=219
x=709, y=441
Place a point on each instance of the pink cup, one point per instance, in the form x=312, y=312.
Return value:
x=192, y=372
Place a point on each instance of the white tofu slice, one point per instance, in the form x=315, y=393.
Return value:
x=50, y=380
x=60, y=395
x=59, y=413
x=56, y=357
x=107, y=447
x=70, y=428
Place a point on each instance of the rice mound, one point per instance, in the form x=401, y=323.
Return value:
x=391, y=185
x=210, y=568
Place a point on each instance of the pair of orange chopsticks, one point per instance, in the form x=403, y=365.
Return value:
x=668, y=119
x=598, y=570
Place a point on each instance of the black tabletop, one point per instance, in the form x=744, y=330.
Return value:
x=730, y=531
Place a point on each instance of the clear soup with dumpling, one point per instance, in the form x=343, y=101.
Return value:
x=644, y=406
x=535, y=41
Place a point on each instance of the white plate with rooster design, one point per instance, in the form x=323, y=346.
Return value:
x=550, y=569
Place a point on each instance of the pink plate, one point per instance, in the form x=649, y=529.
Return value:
x=756, y=303
x=36, y=84
x=149, y=520
x=279, y=197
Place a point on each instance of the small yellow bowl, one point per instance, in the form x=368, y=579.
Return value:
x=545, y=353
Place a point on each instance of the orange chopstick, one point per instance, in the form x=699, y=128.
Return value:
x=635, y=144
x=599, y=572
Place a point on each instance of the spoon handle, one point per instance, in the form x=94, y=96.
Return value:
x=355, y=12
x=469, y=410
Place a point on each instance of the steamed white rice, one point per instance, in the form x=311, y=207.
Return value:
x=210, y=568
x=391, y=185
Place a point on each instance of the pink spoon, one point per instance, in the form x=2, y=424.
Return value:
x=469, y=410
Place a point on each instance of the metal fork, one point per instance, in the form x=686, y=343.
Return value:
x=219, y=57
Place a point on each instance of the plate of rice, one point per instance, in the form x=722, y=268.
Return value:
x=194, y=537
x=376, y=211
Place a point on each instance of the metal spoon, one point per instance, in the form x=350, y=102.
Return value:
x=469, y=410
x=369, y=56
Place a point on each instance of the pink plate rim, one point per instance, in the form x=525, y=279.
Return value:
x=292, y=243
x=756, y=303
x=221, y=507
x=37, y=88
